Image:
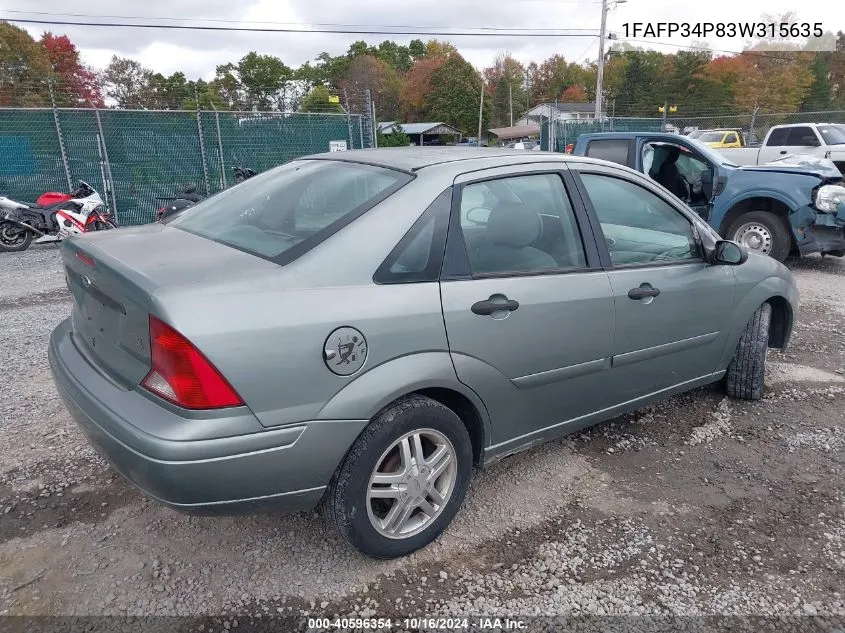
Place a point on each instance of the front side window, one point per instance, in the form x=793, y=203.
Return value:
x=639, y=227
x=731, y=138
x=520, y=224
x=296, y=204
x=833, y=134
x=778, y=137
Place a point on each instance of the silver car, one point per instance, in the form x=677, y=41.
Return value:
x=360, y=329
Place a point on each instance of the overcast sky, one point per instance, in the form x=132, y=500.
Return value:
x=197, y=53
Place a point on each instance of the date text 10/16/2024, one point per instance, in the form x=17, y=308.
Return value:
x=501, y=624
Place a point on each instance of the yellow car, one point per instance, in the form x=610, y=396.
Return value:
x=719, y=139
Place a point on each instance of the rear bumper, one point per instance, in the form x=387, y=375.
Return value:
x=243, y=468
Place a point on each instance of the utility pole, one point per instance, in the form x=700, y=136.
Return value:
x=510, y=99
x=480, y=109
x=600, y=74
x=602, y=35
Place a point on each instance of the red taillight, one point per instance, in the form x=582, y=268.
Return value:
x=569, y=148
x=85, y=259
x=182, y=375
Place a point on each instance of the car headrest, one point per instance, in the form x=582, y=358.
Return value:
x=513, y=224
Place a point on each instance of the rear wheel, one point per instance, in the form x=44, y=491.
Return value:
x=103, y=225
x=761, y=232
x=403, y=480
x=13, y=238
x=745, y=378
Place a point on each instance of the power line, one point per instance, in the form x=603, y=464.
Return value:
x=322, y=24
x=375, y=31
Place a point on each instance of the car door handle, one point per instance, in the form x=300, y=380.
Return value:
x=643, y=292
x=487, y=307
x=783, y=151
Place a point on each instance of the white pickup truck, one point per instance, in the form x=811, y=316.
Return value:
x=823, y=140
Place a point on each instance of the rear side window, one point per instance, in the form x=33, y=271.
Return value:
x=419, y=254
x=802, y=137
x=614, y=150
x=284, y=212
x=778, y=136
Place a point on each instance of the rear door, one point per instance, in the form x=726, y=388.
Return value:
x=672, y=309
x=789, y=141
x=528, y=310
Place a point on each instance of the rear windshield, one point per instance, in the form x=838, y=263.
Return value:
x=711, y=137
x=285, y=211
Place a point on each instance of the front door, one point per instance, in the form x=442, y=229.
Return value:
x=789, y=141
x=690, y=167
x=672, y=309
x=528, y=311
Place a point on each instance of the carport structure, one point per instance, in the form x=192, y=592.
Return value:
x=421, y=133
x=516, y=132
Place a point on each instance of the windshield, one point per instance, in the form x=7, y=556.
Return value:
x=833, y=134
x=711, y=137
x=301, y=202
x=711, y=154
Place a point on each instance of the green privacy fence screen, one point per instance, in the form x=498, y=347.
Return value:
x=134, y=156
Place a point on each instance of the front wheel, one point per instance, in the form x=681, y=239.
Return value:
x=745, y=378
x=403, y=480
x=14, y=238
x=761, y=232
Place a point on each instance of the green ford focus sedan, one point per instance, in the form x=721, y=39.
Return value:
x=359, y=330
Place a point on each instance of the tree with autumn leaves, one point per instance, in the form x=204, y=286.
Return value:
x=29, y=69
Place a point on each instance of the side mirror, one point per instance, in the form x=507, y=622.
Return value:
x=729, y=253
x=190, y=189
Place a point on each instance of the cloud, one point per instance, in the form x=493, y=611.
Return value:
x=197, y=53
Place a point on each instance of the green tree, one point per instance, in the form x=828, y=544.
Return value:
x=417, y=48
x=821, y=92
x=455, y=94
x=506, y=79
x=126, y=82
x=264, y=79
x=397, y=138
x=24, y=69
x=319, y=99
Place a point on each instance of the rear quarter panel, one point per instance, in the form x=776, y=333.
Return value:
x=266, y=333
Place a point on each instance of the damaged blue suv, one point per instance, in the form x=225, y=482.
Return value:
x=793, y=206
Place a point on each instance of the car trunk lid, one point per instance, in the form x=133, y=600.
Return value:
x=113, y=278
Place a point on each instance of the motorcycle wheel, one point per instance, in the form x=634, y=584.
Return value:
x=13, y=238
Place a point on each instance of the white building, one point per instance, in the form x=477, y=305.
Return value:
x=581, y=112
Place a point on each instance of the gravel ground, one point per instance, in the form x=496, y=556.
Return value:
x=700, y=505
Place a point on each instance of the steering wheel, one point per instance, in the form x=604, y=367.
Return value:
x=476, y=221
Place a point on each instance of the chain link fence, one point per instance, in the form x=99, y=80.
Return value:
x=754, y=125
x=134, y=156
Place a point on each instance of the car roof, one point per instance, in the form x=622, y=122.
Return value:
x=412, y=159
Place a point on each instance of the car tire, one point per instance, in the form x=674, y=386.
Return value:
x=366, y=523
x=762, y=232
x=745, y=378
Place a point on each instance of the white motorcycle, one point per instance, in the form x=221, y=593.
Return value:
x=21, y=223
